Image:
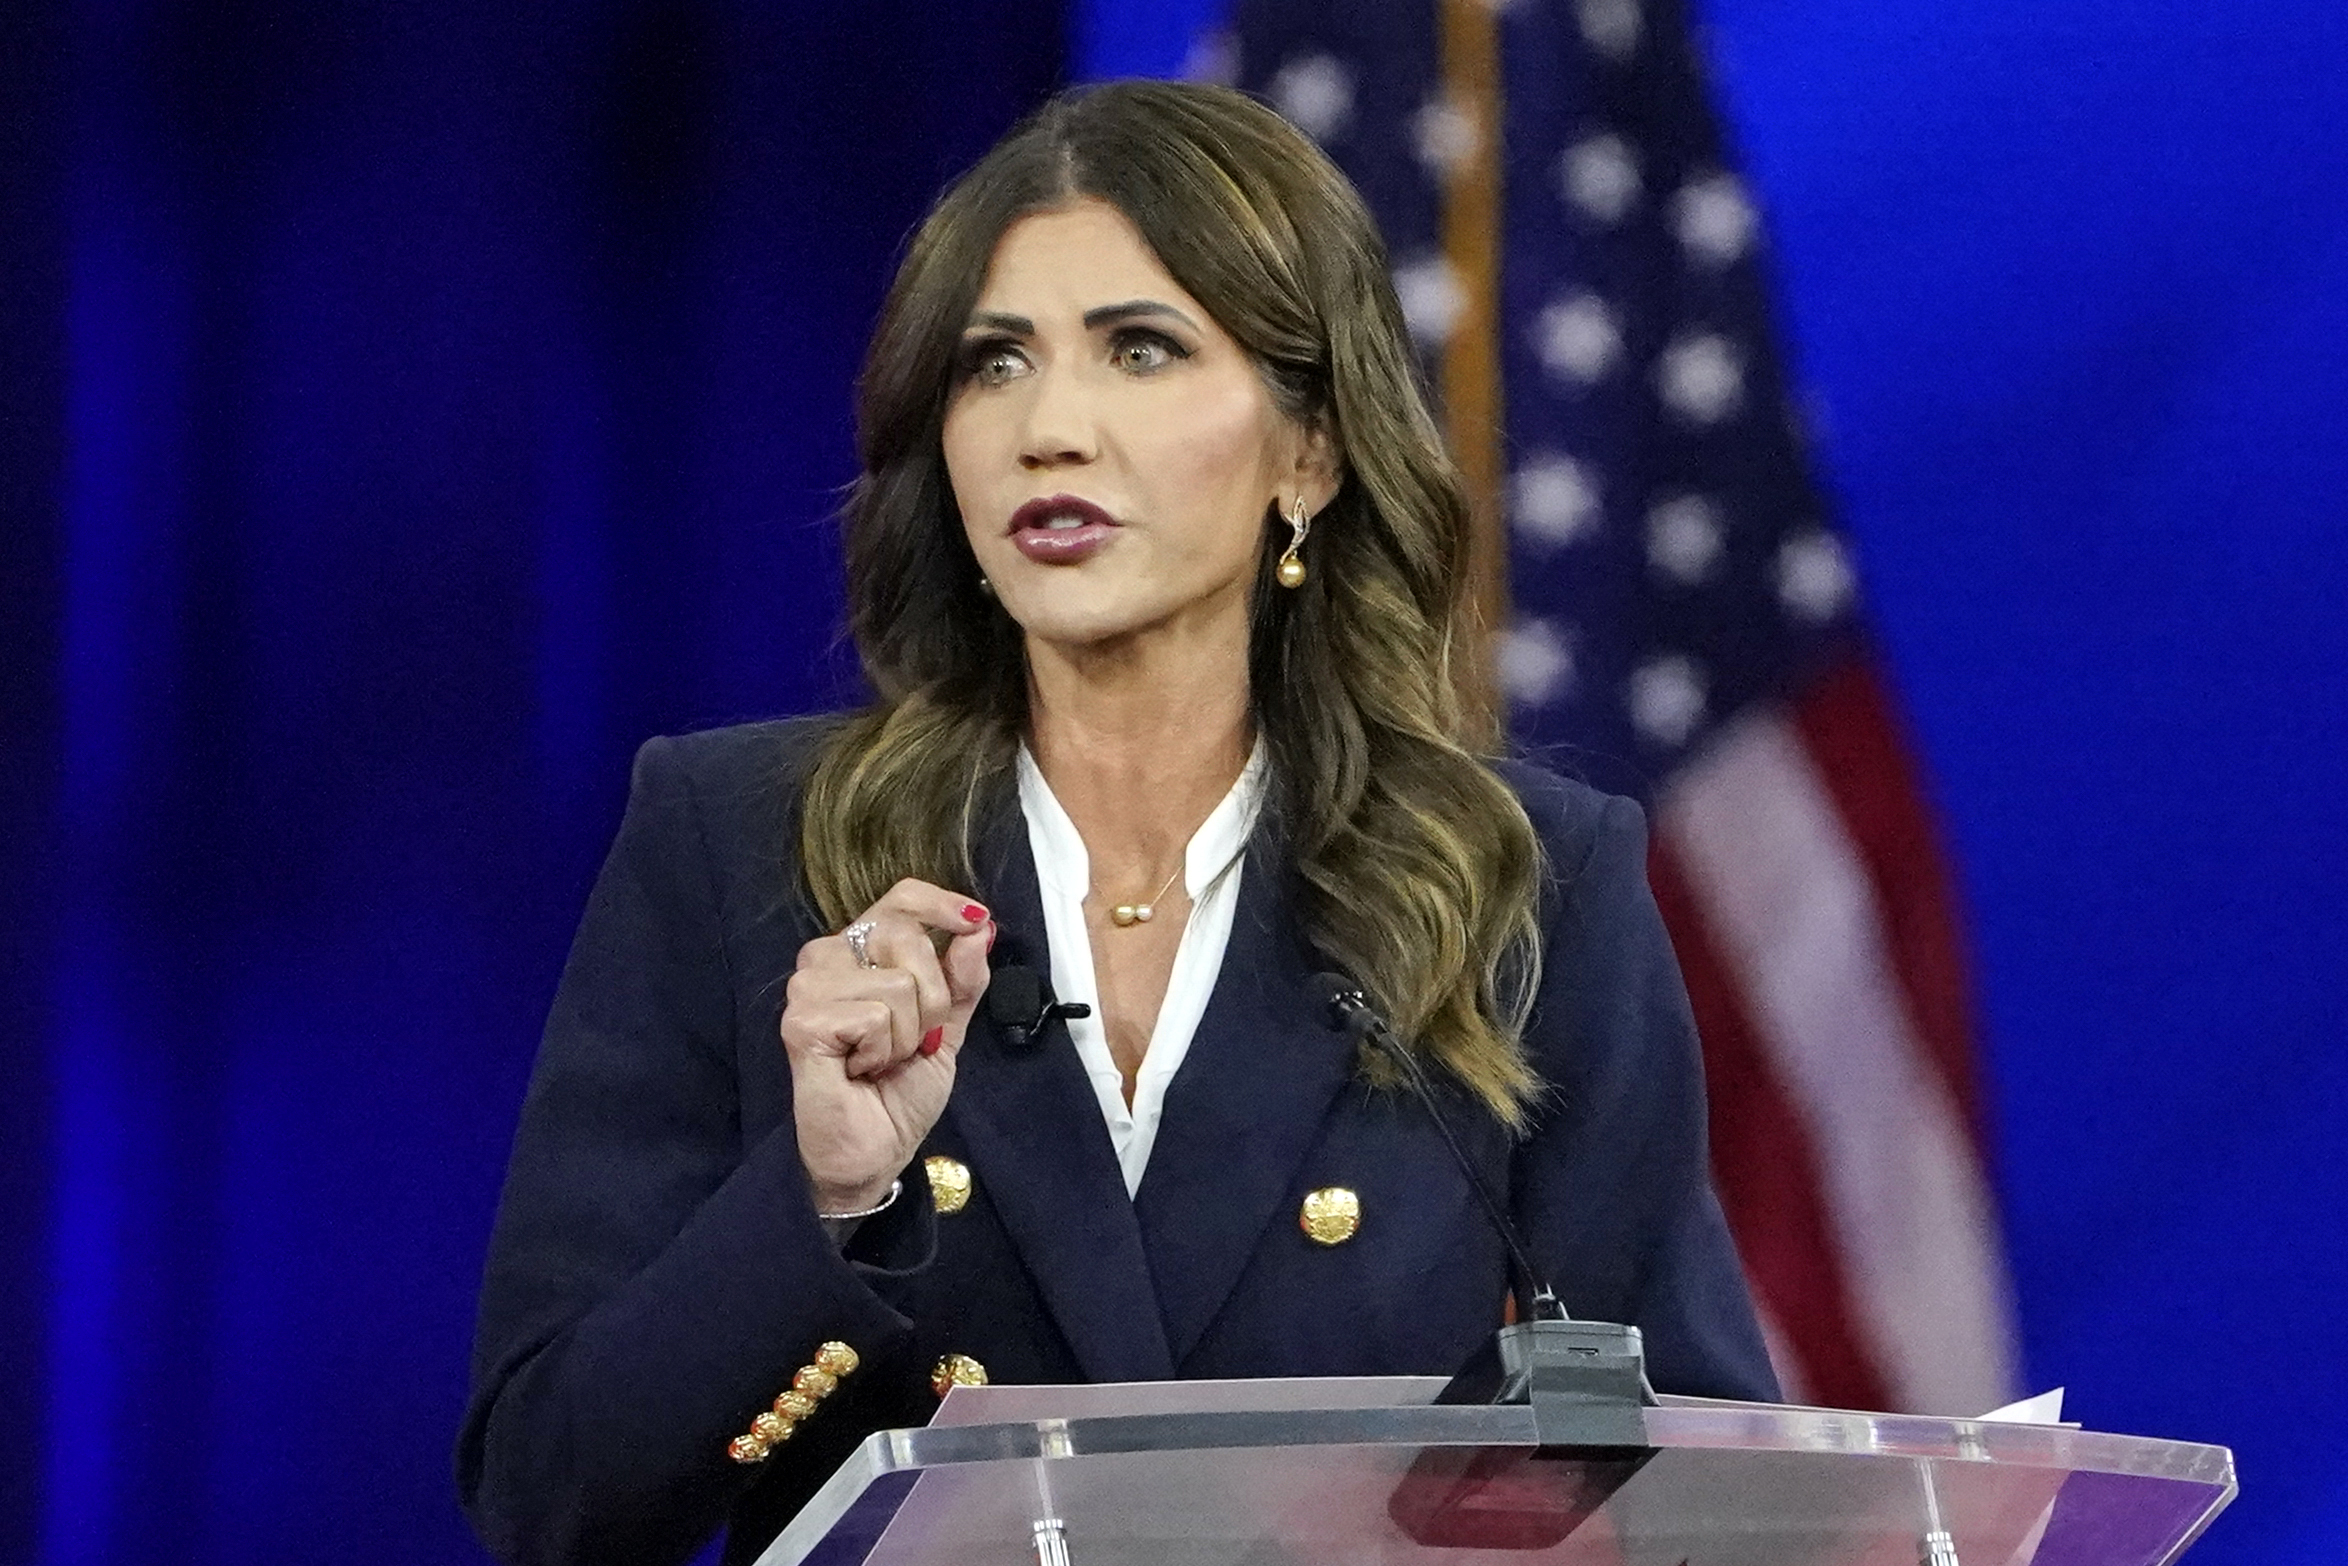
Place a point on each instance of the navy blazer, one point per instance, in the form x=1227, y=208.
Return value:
x=657, y=1272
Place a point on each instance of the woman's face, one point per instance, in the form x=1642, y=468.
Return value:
x=1112, y=449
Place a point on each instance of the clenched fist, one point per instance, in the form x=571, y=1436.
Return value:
x=872, y=1047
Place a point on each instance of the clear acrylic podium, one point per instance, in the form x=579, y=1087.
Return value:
x=1316, y=1473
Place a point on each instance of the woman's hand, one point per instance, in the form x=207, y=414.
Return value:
x=872, y=1048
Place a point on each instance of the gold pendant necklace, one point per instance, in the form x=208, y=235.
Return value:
x=1125, y=914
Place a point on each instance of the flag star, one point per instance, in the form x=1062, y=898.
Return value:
x=1714, y=219
x=1432, y=299
x=1684, y=537
x=1447, y=136
x=1578, y=338
x=1814, y=577
x=1667, y=698
x=1702, y=377
x=1316, y=94
x=1535, y=662
x=1555, y=499
x=1600, y=175
x=1612, y=27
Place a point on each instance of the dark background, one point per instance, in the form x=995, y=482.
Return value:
x=405, y=409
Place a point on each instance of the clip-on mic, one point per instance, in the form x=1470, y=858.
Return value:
x=1584, y=1380
x=1019, y=1001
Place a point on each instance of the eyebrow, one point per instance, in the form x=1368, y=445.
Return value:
x=1095, y=318
x=1134, y=309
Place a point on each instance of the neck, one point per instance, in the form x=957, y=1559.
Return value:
x=1139, y=744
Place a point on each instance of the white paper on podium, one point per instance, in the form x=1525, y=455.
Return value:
x=2044, y=1409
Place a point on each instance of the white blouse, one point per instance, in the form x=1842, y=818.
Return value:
x=1210, y=875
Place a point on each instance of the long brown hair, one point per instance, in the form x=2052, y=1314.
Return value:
x=1419, y=867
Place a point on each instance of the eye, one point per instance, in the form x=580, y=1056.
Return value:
x=990, y=361
x=1143, y=351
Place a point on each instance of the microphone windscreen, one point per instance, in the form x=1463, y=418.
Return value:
x=1015, y=997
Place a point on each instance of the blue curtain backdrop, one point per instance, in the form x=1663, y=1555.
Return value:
x=412, y=407
x=404, y=409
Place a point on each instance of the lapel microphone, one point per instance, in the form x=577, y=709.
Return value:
x=1019, y=1002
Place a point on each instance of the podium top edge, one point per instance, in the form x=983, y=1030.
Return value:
x=1725, y=1430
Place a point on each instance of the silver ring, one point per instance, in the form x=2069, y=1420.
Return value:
x=856, y=935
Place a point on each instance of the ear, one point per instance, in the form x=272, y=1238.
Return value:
x=1316, y=467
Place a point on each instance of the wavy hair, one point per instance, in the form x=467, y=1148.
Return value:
x=1419, y=869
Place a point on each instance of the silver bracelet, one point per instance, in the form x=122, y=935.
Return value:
x=896, y=1189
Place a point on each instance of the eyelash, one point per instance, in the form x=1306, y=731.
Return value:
x=976, y=355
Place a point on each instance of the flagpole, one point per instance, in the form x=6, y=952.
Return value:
x=1470, y=369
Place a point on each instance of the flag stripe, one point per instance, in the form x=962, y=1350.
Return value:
x=1778, y=883
x=1847, y=724
x=1767, y=1172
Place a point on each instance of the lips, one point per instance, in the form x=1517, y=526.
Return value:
x=1060, y=529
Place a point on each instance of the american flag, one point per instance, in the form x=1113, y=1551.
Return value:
x=1579, y=262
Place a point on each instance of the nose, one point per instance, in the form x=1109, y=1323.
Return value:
x=1059, y=428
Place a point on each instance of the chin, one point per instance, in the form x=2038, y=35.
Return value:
x=1078, y=626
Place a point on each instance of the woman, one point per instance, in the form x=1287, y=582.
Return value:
x=1156, y=564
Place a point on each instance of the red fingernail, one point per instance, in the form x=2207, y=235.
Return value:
x=972, y=913
x=932, y=1040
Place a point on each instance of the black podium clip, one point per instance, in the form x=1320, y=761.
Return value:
x=1586, y=1384
x=1586, y=1380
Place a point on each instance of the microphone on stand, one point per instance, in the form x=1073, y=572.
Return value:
x=1351, y=1011
x=1584, y=1380
x=1019, y=1001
